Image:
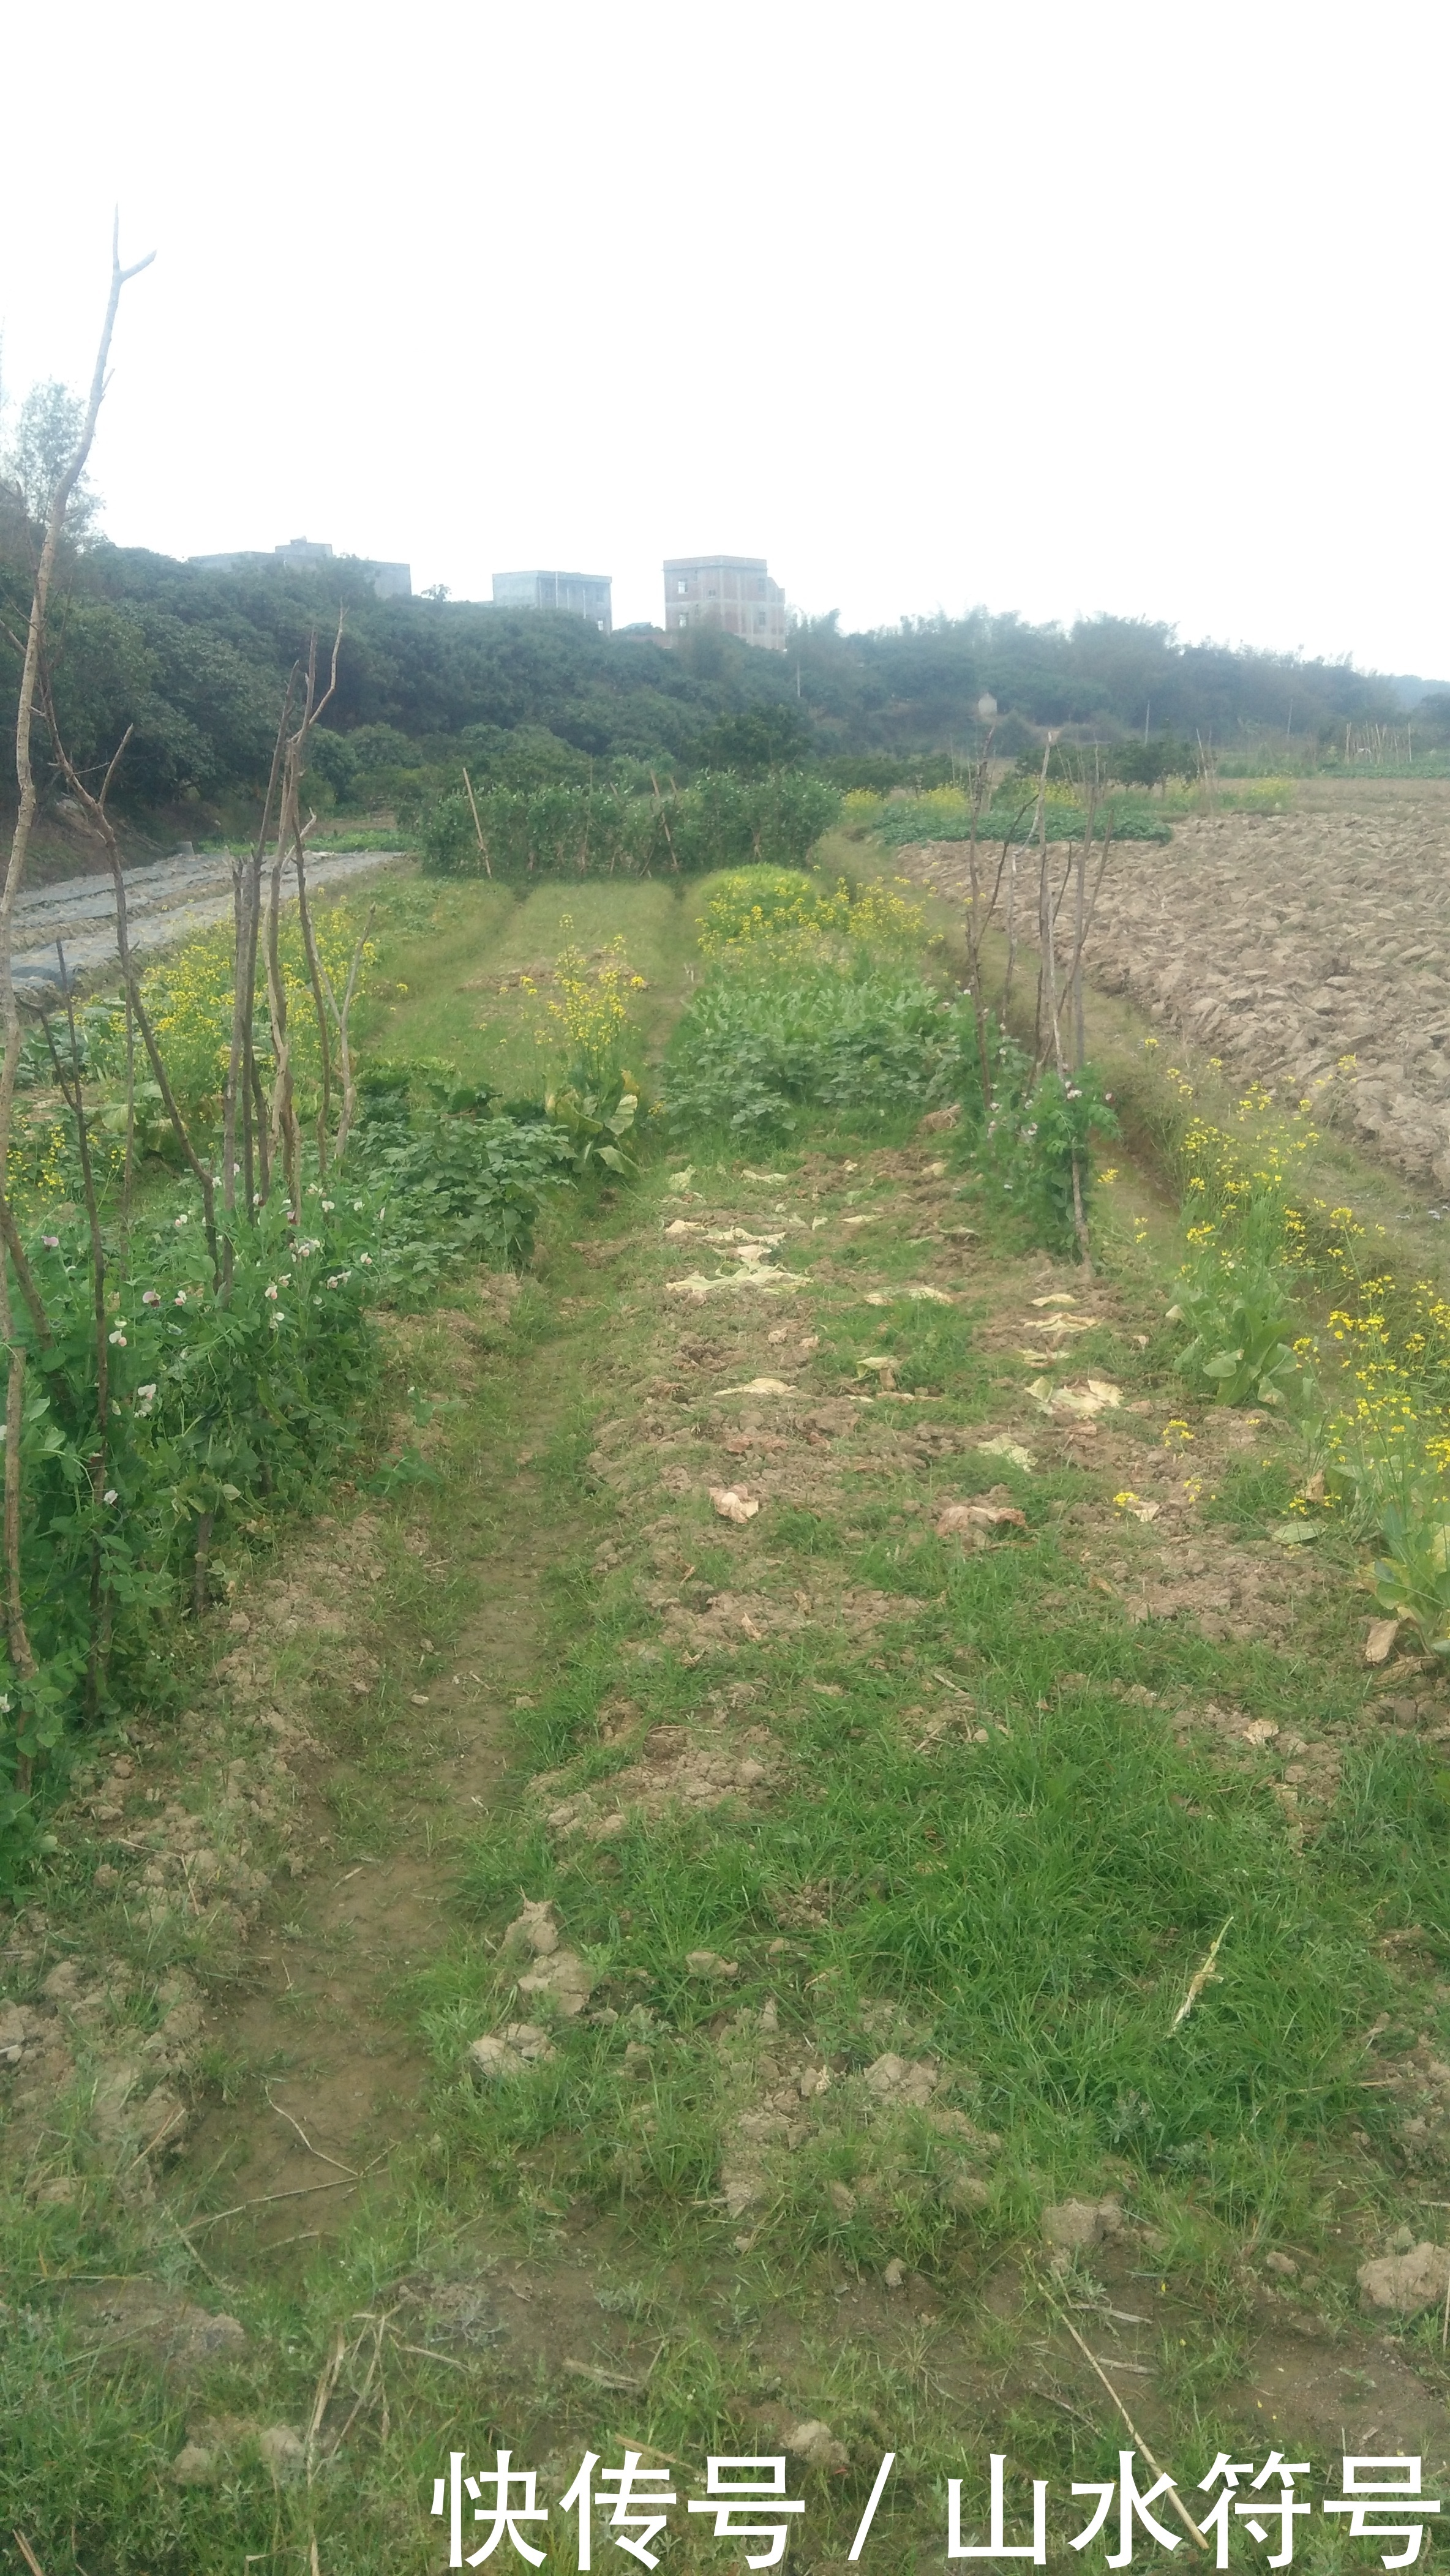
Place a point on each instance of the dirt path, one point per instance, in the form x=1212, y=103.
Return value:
x=333, y=2056
x=167, y=901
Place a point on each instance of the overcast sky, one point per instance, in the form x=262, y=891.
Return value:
x=1056, y=308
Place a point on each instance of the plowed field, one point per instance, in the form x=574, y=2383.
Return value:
x=1284, y=943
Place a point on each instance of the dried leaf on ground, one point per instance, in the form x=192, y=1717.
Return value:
x=698, y=1287
x=1097, y=1395
x=978, y=1516
x=1004, y=1447
x=1380, y=1640
x=732, y=1504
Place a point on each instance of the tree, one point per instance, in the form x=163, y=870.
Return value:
x=36, y=455
x=1150, y=764
x=754, y=742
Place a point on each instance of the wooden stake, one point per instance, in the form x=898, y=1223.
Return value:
x=478, y=827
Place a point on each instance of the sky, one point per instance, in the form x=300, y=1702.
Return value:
x=1054, y=308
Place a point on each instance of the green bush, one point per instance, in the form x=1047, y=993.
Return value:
x=1034, y=1135
x=565, y=829
x=767, y=1039
x=1241, y=1315
x=224, y=1406
x=945, y=815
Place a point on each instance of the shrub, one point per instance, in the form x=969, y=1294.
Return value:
x=750, y=905
x=571, y=830
x=945, y=815
x=1033, y=1136
x=765, y=1040
x=1240, y=1313
x=188, y=997
x=591, y=1016
x=230, y=1400
x=218, y=1406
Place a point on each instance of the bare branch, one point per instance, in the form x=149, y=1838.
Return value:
x=19, y=1642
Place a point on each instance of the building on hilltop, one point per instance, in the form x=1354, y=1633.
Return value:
x=576, y=594
x=731, y=591
x=306, y=554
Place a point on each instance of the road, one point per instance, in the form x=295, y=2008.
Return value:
x=169, y=900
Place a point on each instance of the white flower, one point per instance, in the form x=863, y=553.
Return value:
x=181, y=1220
x=180, y=1298
x=366, y=1259
x=110, y=1495
x=357, y=1207
x=327, y=1206
x=332, y=1283
x=278, y=1319
x=269, y=1290
x=5, y=1702
x=117, y=1341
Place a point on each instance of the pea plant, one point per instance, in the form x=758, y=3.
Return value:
x=190, y=1346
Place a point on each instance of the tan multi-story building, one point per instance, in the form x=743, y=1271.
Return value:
x=731, y=591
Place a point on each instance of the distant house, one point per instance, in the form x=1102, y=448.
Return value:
x=577, y=594
x=731, y=591
x=306, y=554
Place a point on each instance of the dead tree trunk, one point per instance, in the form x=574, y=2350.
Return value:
x=246, y=905
x=286, y=1135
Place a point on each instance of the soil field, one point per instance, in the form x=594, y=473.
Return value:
x=1283, y=943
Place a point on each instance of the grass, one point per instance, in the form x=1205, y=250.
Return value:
x=996, y=1836
x=447, y=946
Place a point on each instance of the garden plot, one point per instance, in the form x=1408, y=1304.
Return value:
x=1285, y=943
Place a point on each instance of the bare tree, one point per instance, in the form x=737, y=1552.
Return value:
x=342, y=1013
x=242, y=1081
x=292, y=836
x=18, y=1639
x=96, y=808
x=982, y=904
